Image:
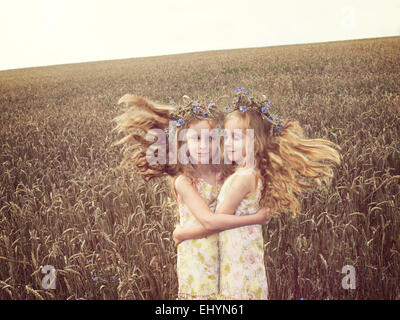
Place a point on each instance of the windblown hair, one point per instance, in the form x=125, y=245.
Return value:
x=290, y=163
x=141, y=116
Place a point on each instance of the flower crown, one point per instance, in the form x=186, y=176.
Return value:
x=243, y=101
x=193, y=110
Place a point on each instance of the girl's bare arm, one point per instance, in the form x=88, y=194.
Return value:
x=197, y=232
x=210, y=222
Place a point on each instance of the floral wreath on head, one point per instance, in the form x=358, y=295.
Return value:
x=195, y=110
x=243, y=101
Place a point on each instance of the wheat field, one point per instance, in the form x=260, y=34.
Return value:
x=64, y=203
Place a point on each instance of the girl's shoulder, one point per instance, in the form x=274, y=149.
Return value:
x=182, y=185
x=182, y=181
x=240, y=176
x=249, y=175
x=246, y=171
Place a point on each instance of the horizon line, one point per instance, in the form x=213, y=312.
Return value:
x=201, y=51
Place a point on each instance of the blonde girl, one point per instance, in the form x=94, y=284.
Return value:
x=193, y=184
x=285, y=164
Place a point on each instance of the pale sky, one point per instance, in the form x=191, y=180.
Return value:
x=49, y=32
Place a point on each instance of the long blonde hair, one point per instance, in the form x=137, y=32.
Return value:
x=141, y=116
x=289, y=163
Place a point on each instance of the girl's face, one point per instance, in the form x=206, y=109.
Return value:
x=235, y=141
x=202, y=143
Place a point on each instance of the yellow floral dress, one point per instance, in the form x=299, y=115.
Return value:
x=241, y=251
x=197, y=259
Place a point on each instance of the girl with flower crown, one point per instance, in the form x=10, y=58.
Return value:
x=282, y=155
x=194, y=185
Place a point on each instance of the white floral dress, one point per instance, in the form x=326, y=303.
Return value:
x=198, y=261
x=241, y=251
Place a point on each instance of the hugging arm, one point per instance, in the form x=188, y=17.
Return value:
x=197, y=232
x=213, y=223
